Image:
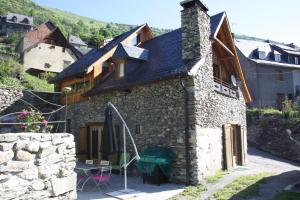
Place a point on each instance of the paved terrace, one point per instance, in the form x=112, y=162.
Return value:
x=148, y=191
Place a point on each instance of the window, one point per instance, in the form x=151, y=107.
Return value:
x=279, y=75
x=66, y=63
x=47, y=65
x=14, y=19
x=277, y=57
x=261, y=55
x=63, y=50
x=138, y=129
x=296, y=60
x=135, y=40
x=121, y=69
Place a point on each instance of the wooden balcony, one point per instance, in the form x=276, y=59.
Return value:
x=225, y=88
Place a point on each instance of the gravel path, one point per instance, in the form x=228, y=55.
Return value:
x=285, y=173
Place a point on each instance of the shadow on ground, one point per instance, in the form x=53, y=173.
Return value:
x=268, y=187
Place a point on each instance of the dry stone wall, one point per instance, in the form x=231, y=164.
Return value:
x=37, y=166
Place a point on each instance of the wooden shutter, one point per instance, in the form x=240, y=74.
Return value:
x=240, y=145
x=82, y=143
x=227, y=147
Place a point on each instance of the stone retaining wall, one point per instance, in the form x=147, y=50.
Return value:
x=271, y=133
x=37, y=166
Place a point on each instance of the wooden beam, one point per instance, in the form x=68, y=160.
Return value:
x=224, y=46
x=226, y=58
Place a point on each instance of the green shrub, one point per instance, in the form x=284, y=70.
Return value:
x=13, y=38
x=47, y=75
x=11, y=68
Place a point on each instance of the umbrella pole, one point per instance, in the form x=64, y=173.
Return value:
x=125, y=161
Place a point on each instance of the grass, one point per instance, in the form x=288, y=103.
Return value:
x=217, y=176
x=242, y=187
x=263, y=111
x=190, y=193
x=29, y=82
x=287, y=196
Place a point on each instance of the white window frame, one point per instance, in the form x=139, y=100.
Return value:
x=277, y=57
x=296, y=60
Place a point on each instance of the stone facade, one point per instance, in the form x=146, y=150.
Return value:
x=271, y=133
x=47, y=57
x=211, y=110
x=37, y=166
x=157, y=108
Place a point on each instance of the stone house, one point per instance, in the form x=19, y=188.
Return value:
x=272, y=71
x=184, y=90
x=14, y=22
x=46, y=49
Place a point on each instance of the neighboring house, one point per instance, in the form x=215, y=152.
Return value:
x=46, y=49
x=14, y=22
x=78, y=44
x=184, y=90
x=272, y=71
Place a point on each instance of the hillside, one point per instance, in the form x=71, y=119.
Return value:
x=89, y=30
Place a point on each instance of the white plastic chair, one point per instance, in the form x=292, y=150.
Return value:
x=89, y=162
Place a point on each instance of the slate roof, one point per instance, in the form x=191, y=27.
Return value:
x=126, y=51
x=215, y=22
x=165, y=61
x=76, y=40
x=248, y=48
x=20, y=18
x=81, y=65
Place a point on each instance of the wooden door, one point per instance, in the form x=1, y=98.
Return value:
x=227, y=147
x=240, y=145
x=81, y=144
x=95, y=133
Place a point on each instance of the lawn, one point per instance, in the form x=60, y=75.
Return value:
x=220, y=174
x=287, y=196
x=190, y=193
x=242, y=187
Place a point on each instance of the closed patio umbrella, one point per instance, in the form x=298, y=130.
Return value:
x=109, y=140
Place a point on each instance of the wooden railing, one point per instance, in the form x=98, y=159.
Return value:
x=225, y=88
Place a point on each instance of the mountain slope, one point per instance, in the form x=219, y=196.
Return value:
x=90, y=30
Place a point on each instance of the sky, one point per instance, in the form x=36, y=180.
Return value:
x=267, y=19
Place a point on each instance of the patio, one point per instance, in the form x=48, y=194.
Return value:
x=146, y=191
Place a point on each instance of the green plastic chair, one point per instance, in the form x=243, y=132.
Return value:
x=119, y=166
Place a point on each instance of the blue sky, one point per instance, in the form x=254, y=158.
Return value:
x=269, y=19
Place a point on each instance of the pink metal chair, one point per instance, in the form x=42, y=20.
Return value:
x=103, y=178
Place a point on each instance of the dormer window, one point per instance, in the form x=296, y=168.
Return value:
x=120, y=69
x=277, y=56
x=296, y=60
x=135, y=40
x=261, y=54
x=14, y=19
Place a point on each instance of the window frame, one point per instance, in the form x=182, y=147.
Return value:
x=119, y=62
x=277, y=56
x=296, y=61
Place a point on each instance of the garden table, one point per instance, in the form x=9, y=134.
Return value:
x=85, y=173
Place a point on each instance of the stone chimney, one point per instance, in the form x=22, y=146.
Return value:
x=196, y=31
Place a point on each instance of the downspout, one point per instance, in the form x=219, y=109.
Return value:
x=187, y=132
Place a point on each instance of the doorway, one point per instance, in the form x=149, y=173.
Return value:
x=89, y=142
x=233, y=146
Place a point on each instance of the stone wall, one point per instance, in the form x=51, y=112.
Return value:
x=37, y=166
x=271, y=133
x=157, y=108
x=211, y=110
